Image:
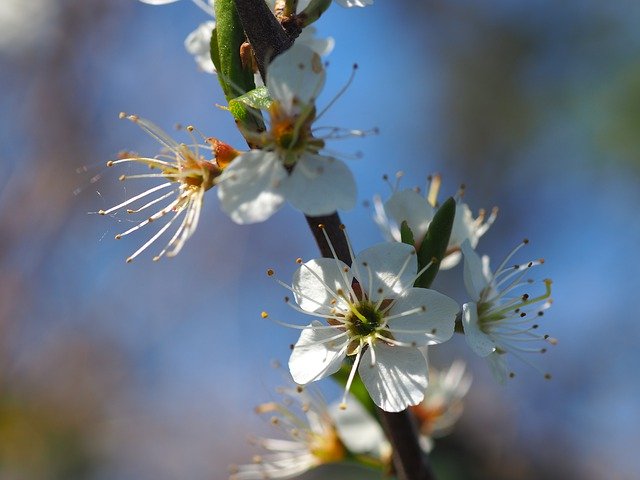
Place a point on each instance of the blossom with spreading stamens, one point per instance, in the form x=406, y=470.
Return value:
x=186, y=176
x=317, y=435
x=442, y=405
x=373, y=315
x=501, y=319
x=411, y=207
x=289, y=164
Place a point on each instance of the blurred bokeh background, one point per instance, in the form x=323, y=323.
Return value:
x=151, y=370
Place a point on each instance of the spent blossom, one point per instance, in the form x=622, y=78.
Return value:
x=185, y=174
x=418, y=211
x=502, y=318
x=316, y=434
x=373, y=314
x=289, y=165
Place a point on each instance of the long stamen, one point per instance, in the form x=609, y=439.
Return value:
x=352, y=374
x=133, y=199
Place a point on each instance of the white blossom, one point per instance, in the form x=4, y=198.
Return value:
x=443, y=402
x=372, y=313
x=502, y=318
x=410, y=206
x=317, y=434
x=185, y=174
x=290, y=165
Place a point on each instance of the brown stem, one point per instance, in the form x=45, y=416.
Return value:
x=265, y=34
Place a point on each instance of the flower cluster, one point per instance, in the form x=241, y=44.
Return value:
x=372, y=316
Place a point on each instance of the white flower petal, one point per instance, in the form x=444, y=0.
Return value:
x=386, y=270
x=355, y=3
x=474, y=275
x=480, y=342
x=464, y=227
x=450, y=261
x=197, y=44
x=398, y=379
x=411, y=207
x=316, y=283
x=295, y=74
x=314, y=356
x=322, y=46
x=250, y=189
x=498, y=367
x=321, y=185
x=433, y=325
x=357, y=429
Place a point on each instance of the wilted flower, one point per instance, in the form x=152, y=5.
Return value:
x=500, y=320
x=186, y=175
x=317, y=434
x=289, y=164
x=442, y=404
x=411, y=207
x=373, y=314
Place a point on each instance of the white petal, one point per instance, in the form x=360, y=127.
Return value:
x=450, y=261
x=411, y=207
x=321, y=185
x=358, y=430
x=316, y=283
x=433, y=325
x=480, y=342
x=355, y=3
x=197, y=44
x=297, y=73
x=250, y=189
x=380, y=271
x=463, y=227
x=314, y=357
x=398, y=379
x=498, y=366
x=474, y=276
x=322, y=46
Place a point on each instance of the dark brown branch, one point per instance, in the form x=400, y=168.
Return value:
x=265, y=34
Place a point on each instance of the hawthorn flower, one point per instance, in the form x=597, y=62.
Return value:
x=185, y=176
x=500, y=320
x=289, y=165
x=410, y=206
x=302, y=4
x=374, y=315
x=442, y=404
x=317, y=434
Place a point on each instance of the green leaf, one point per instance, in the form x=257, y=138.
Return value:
x=257, y=98
x=357, y=390
x=434, y=244
x=406, y=235
x=234, y=77
x=213, y=49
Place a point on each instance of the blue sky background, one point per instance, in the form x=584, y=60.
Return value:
x=534, y=107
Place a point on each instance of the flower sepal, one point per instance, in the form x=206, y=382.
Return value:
x=433, y=248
